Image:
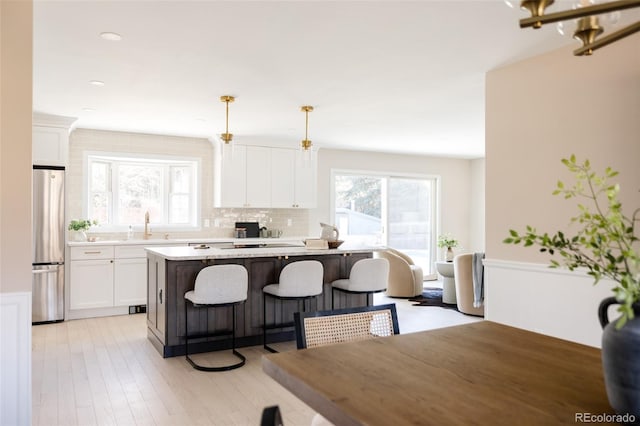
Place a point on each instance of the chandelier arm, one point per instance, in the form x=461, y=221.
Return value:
x=613, y=37
x=537, y=21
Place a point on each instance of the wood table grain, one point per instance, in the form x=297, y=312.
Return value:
x=481, y=373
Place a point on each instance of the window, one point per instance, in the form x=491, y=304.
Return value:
x=397, y=211
x=121, y=189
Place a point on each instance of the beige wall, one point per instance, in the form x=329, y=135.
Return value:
x=547, y=108
x=15, y=146
x=539, y=111
x=16, y=30
x=455, y=186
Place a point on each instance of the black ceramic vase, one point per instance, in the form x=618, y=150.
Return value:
x=621, y=360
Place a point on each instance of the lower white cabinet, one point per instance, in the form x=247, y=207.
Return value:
x=107, y=276
x=91, y=284
x=106, y=279
x=130, y=282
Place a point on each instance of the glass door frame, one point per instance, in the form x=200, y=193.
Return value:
x=431, y=274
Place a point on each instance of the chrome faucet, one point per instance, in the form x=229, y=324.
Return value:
x=146, y=234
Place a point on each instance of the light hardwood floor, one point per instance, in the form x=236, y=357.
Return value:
x=103, y=371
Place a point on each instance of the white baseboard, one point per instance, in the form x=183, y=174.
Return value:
x=73, y=314
x=555, y=302
x=15, y=358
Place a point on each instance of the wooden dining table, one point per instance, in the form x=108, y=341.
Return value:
x=483, y=373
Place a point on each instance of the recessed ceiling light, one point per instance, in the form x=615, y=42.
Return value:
x=88, y=109
x=97, y=82
x=111, y=36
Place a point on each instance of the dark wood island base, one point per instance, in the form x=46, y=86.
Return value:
x=170, y=274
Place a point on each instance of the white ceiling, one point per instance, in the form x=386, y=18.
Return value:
x=388, y=76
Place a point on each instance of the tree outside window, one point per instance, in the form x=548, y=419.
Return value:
x=121, y=190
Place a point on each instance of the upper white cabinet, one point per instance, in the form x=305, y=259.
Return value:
x=234, y=178
x=305, y=182
x=246, y=177
x=258, y=176
x=282, y=177
x=264, y=177
x=293, y=179
x=50, y=139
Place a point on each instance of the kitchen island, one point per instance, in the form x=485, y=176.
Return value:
x=171, y=272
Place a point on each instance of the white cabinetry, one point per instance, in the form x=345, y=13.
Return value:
x=282, y=178
x=268, y=177
x=293, y=179
x=107, y=276
x=305, y=181
x=91, y=277
x=50, y=139
x=246, y=178
x=106, y=279
x=234, y=178
x=130, y=276
x=258, y=176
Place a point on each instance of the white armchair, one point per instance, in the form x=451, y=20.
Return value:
x=405, y=277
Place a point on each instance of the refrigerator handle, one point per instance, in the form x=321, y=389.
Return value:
x=44, y=271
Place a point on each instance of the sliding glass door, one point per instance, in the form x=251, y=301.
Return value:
x=395, y=211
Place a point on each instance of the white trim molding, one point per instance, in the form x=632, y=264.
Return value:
x=15, y=358
x=552, y=301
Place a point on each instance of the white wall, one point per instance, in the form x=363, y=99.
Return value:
x=82, y=140
x=15, y=211
x=458, y=207
x=539, y=111
x=477, y=215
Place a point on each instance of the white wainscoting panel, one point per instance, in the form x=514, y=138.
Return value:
x=15, y=358
x=555, y=302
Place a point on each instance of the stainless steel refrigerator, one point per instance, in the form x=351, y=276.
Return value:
x=48, y=244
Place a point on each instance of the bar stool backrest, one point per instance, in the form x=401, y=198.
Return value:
x=219, y=284
x=301, y=278
x=369, y=275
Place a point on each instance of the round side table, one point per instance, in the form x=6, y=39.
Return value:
x=448, y=283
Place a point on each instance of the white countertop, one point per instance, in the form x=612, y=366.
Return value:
x=194, y=253
x=215, y=241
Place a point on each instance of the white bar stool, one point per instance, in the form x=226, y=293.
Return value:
x=299, y=280
x=217, y=286
x=367, y=276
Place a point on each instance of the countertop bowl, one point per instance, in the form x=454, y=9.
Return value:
x=334, y=244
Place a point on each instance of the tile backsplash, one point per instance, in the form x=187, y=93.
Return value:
x=292, y=222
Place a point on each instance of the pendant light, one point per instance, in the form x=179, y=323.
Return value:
x=306, y=144
x=227, y=147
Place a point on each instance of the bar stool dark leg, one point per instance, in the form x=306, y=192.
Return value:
x=333, y=291
x=242, y=358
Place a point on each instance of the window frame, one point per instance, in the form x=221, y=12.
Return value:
x=167, y=162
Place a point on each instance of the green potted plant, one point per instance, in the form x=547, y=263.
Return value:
x=79, y=228
x=605, y=244
x=448, y=242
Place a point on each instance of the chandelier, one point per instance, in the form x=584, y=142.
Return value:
x=588, y=27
